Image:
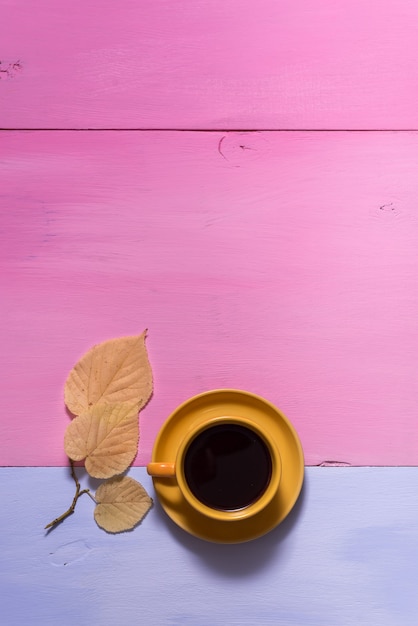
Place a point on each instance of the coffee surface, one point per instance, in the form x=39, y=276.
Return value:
x=227, y=466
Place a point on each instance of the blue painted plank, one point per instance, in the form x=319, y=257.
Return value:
x=347, y=554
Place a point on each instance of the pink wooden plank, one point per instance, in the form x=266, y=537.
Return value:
x=281, y=263
x=209, y=64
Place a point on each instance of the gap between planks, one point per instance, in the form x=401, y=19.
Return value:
x=218, y=130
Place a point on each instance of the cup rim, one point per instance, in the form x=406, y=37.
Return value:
x=234, y=514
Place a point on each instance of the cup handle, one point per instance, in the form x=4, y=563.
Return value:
x=161, y=470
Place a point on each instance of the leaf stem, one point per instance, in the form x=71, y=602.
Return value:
x=78, y=492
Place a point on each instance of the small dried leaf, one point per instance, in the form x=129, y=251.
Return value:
x=121, y=503
x=106, y=437
x=115, y=371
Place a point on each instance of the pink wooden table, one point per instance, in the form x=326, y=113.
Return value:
x=286, y=267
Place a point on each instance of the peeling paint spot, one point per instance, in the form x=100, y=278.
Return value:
x=334, y=464
x=10, y=70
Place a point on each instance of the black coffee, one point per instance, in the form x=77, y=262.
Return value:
x=227, y=466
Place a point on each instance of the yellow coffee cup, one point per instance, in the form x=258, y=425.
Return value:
x=227, y=468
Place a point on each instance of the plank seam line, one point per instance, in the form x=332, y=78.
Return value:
x=218, y=130
x=316, y=465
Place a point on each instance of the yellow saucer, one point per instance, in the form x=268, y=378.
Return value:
x=216, y=403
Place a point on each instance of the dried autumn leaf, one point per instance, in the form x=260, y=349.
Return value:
x=121, y=503
x=115, y=371
x=106, y=437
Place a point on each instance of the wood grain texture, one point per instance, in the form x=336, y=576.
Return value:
x=280, y=263
x=209, y=64
x=347, y=554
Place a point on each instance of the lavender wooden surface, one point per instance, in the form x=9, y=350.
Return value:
x=346, y=555
x=237, y=64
